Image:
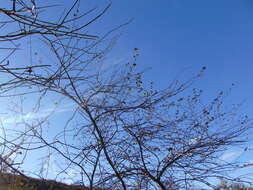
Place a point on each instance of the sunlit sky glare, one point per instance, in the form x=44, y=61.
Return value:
x=179, y=37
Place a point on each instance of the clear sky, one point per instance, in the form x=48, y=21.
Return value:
x=181, y=36
x=176, y=36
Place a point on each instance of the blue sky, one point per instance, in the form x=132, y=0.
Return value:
x=178, y=37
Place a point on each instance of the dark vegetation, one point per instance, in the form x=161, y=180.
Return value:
x=17, y=182
x=226, y=185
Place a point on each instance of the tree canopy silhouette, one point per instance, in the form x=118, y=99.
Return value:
x=127, y=133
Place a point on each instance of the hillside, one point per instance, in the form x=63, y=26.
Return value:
x=17, y=182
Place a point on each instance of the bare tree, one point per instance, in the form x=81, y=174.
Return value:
x=127, y=134
x=22, y=21
x=25, y=17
